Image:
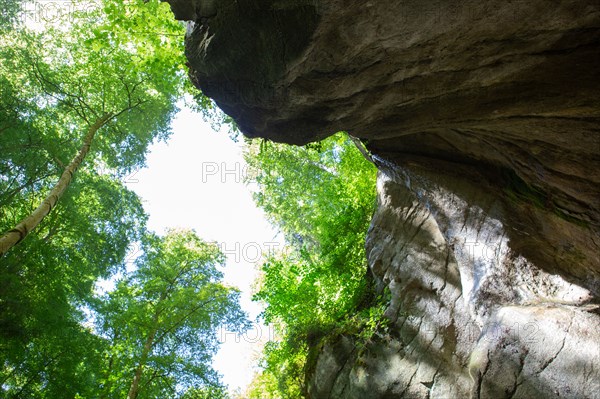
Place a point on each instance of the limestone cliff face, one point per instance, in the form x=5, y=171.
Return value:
x=484, y=120
x=470, y=316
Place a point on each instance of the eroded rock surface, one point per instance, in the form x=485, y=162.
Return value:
x=470, y=317
x=484, y=120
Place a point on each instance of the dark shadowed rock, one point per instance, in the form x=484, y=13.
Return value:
x=484, y=119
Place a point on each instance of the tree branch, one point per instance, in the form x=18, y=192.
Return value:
x=21, y=230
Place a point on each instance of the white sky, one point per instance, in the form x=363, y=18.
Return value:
x=195, y=180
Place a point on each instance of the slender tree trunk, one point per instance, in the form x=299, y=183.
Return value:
x=135, y=384
x=20, y=231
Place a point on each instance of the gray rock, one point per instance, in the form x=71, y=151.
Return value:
x=471, y=317
x=503, y=93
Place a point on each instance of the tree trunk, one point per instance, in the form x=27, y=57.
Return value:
x=135, y=384
x=20, y=231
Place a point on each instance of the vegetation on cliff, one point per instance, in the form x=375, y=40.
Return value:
x=321, y=197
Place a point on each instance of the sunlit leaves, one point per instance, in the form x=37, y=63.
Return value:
x=54, y=82
x=321, y=197
x=322, y=201
x=9, y=13
x=174, y=301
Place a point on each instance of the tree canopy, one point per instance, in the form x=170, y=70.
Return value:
x=321, y=196
x=161, y=319
x=118, y=66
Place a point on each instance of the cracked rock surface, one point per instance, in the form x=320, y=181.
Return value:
x=470, y=316
x=484, y=120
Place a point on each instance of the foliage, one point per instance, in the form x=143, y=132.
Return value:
x=9, y=12
x=370, y=321
x=45, y=281
x=161, y=319
x=322, y=198
x=264, y=386
x=212, y=114
x=62, y=362
x=64, y=80
x=125, y=58
x=58, y=83
x=206, y=393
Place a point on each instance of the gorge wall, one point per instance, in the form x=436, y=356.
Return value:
x=484, y=120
